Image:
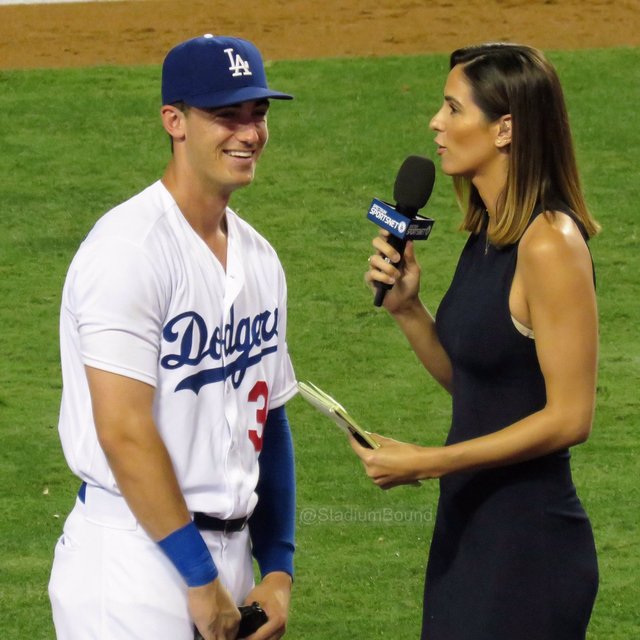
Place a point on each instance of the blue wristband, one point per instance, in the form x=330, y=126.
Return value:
x=190, y=556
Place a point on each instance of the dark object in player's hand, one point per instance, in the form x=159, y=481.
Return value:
x=252, y=617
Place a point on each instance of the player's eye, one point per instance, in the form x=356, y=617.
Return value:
x=226, y=114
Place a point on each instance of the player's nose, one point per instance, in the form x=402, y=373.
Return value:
x=248, y=132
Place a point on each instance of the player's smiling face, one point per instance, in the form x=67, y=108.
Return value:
x=223, y=144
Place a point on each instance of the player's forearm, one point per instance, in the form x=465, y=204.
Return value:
x=272, y=524
x=137, y=456
x=143, y=470
x=419, y=327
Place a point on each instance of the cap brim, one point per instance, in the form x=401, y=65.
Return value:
x=226, y=98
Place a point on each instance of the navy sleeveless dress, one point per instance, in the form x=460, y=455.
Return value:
x=512, y=555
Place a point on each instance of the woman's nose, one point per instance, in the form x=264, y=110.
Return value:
x=435, y=123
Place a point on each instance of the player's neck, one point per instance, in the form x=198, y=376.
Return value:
x=195, y=192
x=205, y=211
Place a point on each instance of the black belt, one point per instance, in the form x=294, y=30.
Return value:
x=210, y=523
x=201, y=520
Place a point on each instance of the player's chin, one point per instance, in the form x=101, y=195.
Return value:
x=240, y=179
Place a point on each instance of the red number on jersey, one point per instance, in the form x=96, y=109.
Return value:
x=259, y=392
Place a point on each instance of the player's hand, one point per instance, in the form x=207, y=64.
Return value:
x=396, y=463
x=273, y=594
x=404, y=277
x=213, y=611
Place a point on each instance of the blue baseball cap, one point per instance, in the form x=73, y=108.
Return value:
x=215, y=71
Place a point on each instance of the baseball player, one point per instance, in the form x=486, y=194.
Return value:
x=175, y=377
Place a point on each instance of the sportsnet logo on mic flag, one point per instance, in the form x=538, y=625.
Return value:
x=385, y=216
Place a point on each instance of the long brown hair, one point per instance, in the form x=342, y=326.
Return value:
x=518, y=80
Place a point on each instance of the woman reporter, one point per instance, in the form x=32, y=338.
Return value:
x=515, y=342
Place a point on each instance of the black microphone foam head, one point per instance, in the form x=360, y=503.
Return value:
x=414, y=183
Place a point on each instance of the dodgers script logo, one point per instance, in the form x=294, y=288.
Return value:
x=239, y=66
x=248, y=338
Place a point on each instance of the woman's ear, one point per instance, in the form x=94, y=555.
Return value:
x=503, y=138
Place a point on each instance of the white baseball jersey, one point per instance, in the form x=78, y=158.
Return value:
x=146, y=298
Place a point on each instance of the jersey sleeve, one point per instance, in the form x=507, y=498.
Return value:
x=272, y=524
x=115, y=297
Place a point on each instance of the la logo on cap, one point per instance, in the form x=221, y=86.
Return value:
x=239, y=66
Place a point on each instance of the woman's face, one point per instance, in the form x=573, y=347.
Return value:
x=468, y=144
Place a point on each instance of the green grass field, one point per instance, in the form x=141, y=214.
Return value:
x=77, y=142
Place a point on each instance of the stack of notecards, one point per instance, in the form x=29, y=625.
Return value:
x=324, y=403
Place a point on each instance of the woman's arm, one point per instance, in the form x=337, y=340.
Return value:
x=403, y=303
x=556, y=275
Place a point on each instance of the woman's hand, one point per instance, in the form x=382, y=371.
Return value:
x=404, y=277
x=396, y=463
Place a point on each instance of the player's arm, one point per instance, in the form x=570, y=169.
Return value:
x=143, y=470
x=403, y=303
x=272, y=525
x=137, y=456
x=556, y=273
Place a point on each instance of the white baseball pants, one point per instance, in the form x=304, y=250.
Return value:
x=110, y=581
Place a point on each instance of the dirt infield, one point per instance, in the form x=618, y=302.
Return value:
x=141, y=31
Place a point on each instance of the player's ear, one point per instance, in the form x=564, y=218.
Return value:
x=173, y=120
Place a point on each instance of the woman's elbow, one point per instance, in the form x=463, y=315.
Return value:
x=581, y=435
x=578, y=427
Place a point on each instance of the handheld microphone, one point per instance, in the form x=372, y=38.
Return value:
x=412, y=189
